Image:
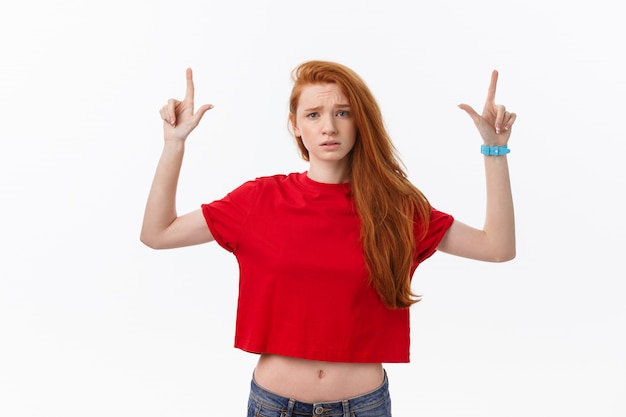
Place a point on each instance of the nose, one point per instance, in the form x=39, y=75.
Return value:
x=329, y=127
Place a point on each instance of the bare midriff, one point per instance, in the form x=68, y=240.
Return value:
x=315, y=381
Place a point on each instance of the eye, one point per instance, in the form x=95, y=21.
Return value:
x=311, y=115
x=343, y=113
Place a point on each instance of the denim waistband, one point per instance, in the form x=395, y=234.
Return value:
x=274, y=404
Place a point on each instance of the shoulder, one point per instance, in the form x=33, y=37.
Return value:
x=266, y=186
x=277, y=180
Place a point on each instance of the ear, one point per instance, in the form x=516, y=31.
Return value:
x=296, y=130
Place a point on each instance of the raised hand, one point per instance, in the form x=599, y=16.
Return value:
x=178, y=116
x=494, y=125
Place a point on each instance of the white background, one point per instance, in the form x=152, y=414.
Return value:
x=92, y=323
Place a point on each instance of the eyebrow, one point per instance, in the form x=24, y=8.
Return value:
x=317, y=108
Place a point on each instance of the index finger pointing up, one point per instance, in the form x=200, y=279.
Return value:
x=491, y=94
x=190, y=88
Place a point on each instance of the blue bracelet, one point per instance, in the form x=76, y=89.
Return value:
x=494, y=150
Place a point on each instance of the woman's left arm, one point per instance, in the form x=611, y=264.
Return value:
x=496, y=241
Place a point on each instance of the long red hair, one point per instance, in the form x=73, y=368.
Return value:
x=389, y=205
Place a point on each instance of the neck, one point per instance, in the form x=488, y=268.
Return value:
x=329, y=173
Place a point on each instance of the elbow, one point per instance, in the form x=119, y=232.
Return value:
x=506, y=255
x=150, y=241
x=146, y=241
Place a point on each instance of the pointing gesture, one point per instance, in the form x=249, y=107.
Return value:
x=494, y=125
x=178, y=116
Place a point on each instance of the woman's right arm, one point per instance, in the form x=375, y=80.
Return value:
x=162, y=228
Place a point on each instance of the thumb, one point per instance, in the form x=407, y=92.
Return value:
x=200, y=112
x=471, y=112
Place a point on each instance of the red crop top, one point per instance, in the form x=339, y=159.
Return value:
x=303, y=282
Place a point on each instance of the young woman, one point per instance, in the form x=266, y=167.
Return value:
x=326, y=256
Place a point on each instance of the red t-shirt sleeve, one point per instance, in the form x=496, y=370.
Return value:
x=439, y=224
x=227, y=217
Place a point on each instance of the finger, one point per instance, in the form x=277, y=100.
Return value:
x=500, y=115
x=190, y=88
x=171, y=111
x=491, y=93
x=508, y=123
x=165, y=114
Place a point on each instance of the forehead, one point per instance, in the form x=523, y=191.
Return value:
x=328, y=93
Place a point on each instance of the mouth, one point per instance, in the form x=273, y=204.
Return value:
x=330, y=143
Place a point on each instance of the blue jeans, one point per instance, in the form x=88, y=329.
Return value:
x=263, y=403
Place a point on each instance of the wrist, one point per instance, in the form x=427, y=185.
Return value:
x=172, y=135
x=489, y=150
x=173, y=145
x=172, y=141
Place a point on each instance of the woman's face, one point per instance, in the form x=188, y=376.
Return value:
x=325, y=122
